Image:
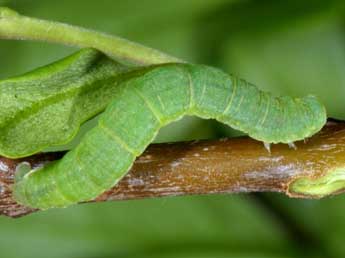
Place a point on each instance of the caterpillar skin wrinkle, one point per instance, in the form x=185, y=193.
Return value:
x=137, y=104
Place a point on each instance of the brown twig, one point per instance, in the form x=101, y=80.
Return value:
x=207, y=167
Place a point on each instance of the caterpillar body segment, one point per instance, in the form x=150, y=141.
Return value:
x=150, y=99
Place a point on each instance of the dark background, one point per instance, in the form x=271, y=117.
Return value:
x=287, y=47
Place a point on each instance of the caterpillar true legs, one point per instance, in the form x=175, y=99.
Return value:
x=152, y=98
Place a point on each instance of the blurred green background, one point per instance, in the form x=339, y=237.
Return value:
x=287, y=47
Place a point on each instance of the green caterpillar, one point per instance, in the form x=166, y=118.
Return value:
x=46, y=107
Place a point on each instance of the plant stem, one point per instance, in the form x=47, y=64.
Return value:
x=211, y=167
x=19, y=27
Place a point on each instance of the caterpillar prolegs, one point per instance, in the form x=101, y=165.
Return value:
x=138, y=103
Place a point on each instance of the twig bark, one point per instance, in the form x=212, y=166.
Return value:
x=207, y=167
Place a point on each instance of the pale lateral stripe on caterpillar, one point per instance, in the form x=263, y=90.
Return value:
x=145, y=100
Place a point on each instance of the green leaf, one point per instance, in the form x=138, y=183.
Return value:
x=46, y=107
